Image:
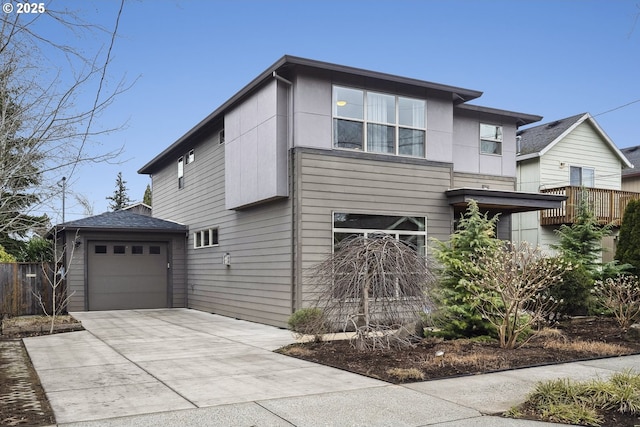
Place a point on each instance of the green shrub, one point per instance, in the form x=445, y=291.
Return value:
x=573, y=293
x=5, y=256
x=308, y=321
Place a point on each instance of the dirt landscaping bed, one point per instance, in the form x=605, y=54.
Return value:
x=431, y=359
x=22, y=399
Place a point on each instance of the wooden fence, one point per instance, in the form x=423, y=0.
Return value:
x=19, y=282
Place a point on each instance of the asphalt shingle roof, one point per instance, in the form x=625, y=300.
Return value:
x=124, y=220
x=537, y=138
x=633, y=155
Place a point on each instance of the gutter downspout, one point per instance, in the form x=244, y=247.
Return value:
x=294, y=293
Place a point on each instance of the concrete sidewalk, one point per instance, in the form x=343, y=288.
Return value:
x=188, y=368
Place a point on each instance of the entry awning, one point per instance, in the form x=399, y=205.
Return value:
x=504, y=200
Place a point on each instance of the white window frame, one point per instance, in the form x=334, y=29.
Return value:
x=498, y=141
x=366, y=121
x=206, y=235
x=582, y=169
x=367, y=231
x=191, y=157
x=181, y=172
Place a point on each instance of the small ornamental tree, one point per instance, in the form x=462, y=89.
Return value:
x=376, y=286
x=581, y=245
x=628, y=247
x=474, y=237
x=620, y=295
x=510, y=290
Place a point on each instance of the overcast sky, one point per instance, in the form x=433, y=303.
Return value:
x=550, y=58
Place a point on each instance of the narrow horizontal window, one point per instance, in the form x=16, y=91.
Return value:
x=119, y=249
x=100, y=249
x=154, y=250
x=205, y=238
x=137, y=250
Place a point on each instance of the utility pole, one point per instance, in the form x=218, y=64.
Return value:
x=63, y=183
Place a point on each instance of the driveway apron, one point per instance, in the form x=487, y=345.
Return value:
x=153, y=361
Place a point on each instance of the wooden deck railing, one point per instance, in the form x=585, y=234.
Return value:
x=608, y=205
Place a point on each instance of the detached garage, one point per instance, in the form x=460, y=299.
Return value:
x=122, y=260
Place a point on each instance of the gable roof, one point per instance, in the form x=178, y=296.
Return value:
x=633, y=155
x=123, y=220
x=536, y=141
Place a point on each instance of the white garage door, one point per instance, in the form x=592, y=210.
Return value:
x=127, y=275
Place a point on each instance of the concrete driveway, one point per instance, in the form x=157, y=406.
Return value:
x=190, y=368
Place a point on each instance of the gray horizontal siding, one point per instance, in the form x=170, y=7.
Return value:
x=257, y=284
x=328, y=181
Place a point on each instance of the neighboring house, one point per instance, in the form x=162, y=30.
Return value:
x=123, y=260
x=310, y=152
x=564, y=157
x=631, y=177
x=139, y=208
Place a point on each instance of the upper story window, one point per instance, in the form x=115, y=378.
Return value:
x=181, y=172
x=582, y=177
x=191, y=157
x=205, y=238
x=378, y=123
x=490, y=139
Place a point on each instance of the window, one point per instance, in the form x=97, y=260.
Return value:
x=221, y=136
x=181, y=172
x=154, y=250
x=490, y=139
x=205, y=238
x=100, y=249
x=409, y=229
x=378, y=122
x=581, y=176
x=190, y=157
x=119, y=249
x=137, y=250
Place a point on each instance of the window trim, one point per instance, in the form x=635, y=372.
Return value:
x=366, y=231
x=199, y=238
x=366, y=122
x=582, y=169
x=498, y=141
x=181, y=172
x=190, y=157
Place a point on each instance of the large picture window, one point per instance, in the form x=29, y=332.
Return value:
x=408, y=229
x=378, y=123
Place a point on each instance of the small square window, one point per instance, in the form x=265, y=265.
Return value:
x=137, y=250
x=119, y=249
x=101, y=249
x=191, y=157
x=154, y=250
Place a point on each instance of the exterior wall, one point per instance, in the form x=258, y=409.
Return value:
x=256, y=144
x=466, y=145
x=257, y=284
x=471, y=180
x=631, y=183
x=313, y=120
x=582, y=147
x=526, y=224
x=328, y=181
x=77, y=274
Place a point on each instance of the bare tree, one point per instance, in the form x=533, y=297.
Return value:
x=50, y=95
x=620, y=295
x=510, y=292
x=56, y=276
x=375, y=286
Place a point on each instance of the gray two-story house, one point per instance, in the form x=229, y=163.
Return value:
x=310, y=152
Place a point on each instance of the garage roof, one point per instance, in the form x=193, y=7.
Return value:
x=123, y=221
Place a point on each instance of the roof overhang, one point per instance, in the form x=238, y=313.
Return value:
x=503, y=200
x=457, y=94
x=521, y=119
